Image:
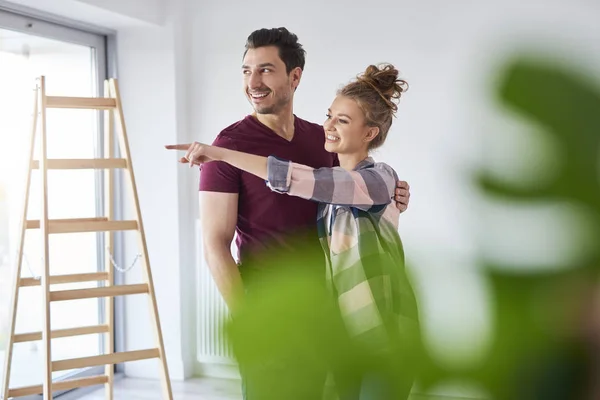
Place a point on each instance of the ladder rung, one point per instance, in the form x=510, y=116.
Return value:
x=61, y=333
x=63, y=385
x=99, y=103
x=84, y=225
x=105, y=359
x=73, y=278
x=108, y=291
x=83, y=163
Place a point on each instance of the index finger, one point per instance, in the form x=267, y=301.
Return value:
x=177, y=146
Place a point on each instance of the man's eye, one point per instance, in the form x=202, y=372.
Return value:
x=266, y=70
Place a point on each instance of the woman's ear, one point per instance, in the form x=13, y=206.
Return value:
x=372, y=133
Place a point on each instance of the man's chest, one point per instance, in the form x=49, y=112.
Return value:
x=306, y=149
x=312, y=154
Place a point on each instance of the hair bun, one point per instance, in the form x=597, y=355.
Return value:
x=384, y=79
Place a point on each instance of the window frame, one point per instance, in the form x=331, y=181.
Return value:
x=103, y=43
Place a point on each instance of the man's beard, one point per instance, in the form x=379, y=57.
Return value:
x=266, y=109
x=273, y=108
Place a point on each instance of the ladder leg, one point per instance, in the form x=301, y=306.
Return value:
x=109, y=242
x=19, y=260
x=124, y=146
x=45, y=284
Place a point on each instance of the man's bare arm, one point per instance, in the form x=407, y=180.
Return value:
x=218, y=217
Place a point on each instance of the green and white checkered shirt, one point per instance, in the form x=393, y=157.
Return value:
x=358, y=229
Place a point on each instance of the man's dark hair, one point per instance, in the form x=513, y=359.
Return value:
x=290, y=51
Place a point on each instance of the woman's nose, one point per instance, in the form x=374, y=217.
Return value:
x=329, y=125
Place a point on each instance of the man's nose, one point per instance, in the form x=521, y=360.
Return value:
x=255, y=81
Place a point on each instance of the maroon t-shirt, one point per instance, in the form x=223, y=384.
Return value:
x=265, y=218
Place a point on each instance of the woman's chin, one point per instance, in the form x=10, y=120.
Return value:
x=330, y=147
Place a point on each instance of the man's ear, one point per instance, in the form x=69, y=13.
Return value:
x=296, y=76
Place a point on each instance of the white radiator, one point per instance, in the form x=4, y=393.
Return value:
x=211, y=312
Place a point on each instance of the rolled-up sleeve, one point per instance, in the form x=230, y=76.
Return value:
x=362, y=189
x=279, y=173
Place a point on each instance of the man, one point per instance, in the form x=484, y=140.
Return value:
x=266, y=223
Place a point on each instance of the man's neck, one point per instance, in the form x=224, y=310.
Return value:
x=282, y=124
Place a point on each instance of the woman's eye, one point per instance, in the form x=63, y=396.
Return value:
x=328, y=116
x=343, y=121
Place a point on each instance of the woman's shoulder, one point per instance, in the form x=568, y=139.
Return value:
x=382, y=167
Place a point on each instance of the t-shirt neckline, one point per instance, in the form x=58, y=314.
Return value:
x=272, y=133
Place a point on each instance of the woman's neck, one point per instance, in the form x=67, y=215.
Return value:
x=351, y=160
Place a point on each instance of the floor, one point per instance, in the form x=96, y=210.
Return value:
x=197, y=389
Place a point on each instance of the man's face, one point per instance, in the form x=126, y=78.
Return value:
x=267, y=85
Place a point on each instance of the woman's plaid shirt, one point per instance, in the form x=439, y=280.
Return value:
x=358, y=229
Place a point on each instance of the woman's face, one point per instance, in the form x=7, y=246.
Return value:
x=346, y=131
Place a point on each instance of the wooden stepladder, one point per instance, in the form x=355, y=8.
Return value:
x=113, y=117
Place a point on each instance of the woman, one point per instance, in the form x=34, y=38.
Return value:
x=358, y=227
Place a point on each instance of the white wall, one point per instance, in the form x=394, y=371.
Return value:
x=152, y=66
x=151, y=11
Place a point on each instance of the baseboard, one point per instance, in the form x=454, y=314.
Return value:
x=217, y=370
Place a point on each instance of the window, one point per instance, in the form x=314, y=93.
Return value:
x=74, y=64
